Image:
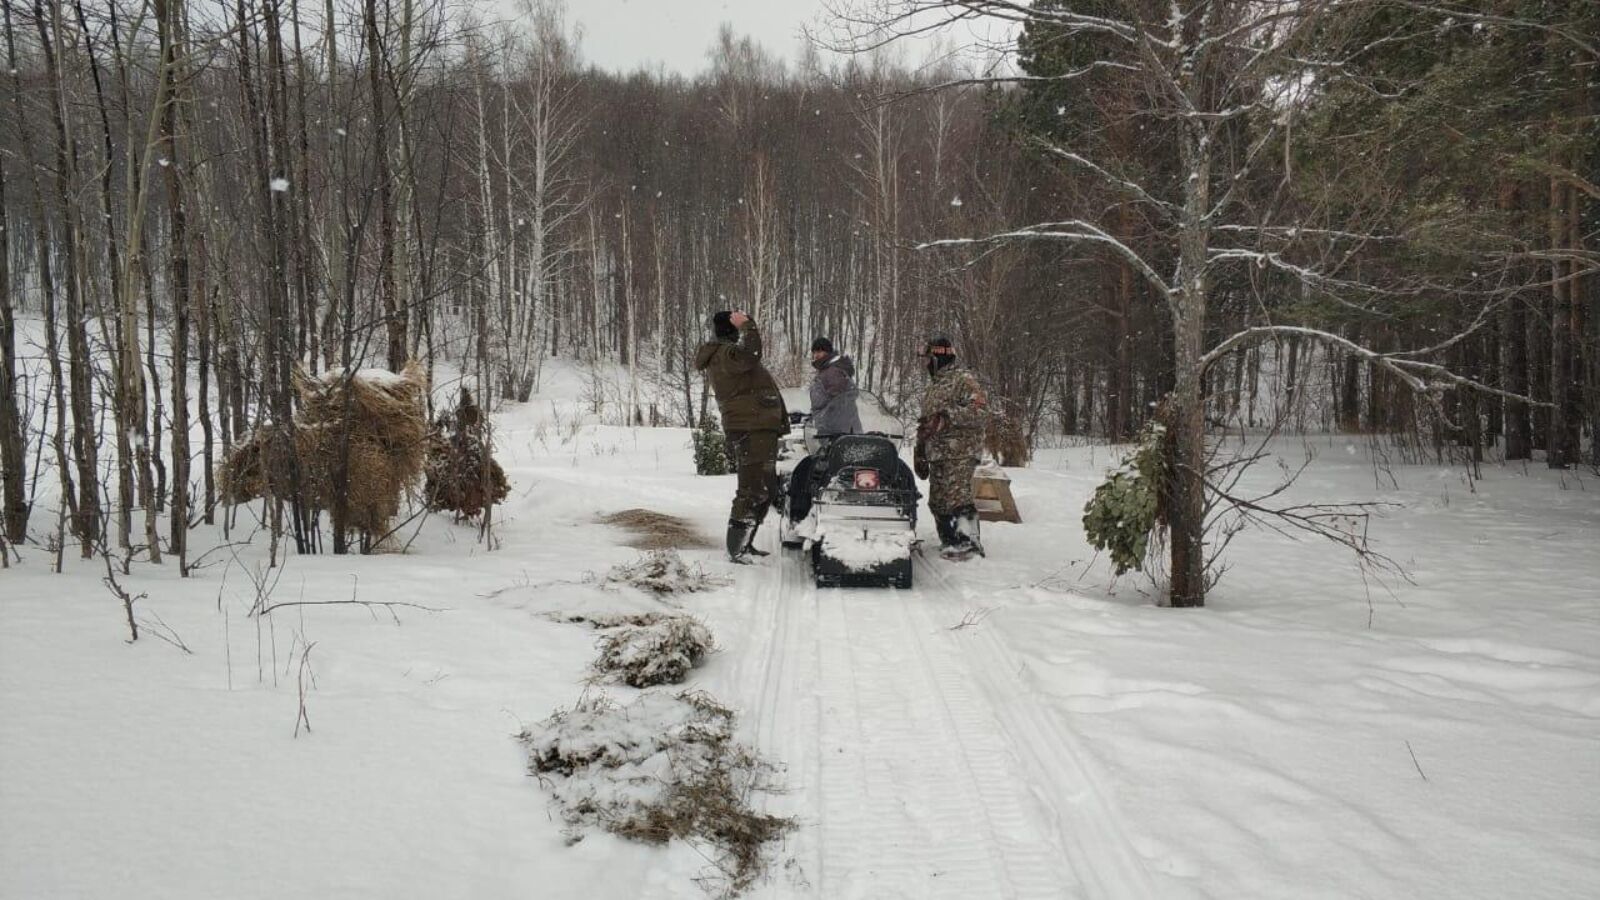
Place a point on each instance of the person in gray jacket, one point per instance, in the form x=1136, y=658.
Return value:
x=833, y=391
x=833, y=412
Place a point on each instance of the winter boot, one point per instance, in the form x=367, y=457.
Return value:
x=946, y=528
x=964, y=523
x=739, y=534
x=750, y=542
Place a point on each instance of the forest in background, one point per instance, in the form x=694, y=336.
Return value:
x=196, y=199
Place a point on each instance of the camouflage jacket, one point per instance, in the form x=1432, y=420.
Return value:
x=955, y=396
x=747, y=396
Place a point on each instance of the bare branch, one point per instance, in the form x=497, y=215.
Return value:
x=1086, y=232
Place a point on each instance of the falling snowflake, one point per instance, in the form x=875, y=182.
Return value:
x=278, y=185
x=163, y=162
x=955, y=201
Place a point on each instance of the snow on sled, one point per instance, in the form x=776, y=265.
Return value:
x=853, y=504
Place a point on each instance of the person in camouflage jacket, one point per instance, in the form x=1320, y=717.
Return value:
x=949, y=441
x=753, y=417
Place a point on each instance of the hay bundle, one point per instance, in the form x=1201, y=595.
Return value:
x=462, y=476
x=369, y=427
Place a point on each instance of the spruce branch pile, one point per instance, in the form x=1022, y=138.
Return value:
x=662, y=572
x=462, y=475
x=654, y=650
x=1128, y=507
x=662, y=767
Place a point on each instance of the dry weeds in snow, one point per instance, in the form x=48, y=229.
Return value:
x=655, y=531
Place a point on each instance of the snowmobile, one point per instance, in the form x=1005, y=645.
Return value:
x=859, y=526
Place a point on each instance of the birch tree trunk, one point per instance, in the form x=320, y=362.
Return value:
x=85, y=442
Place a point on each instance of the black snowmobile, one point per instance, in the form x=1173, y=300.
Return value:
x=852, y=504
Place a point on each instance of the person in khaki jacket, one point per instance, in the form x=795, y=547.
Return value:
x=753, y=418
x=949, y=440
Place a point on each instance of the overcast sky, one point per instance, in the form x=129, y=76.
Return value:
x=629, y=34
x=625, y=35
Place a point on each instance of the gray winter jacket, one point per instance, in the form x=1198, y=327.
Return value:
x=833, y=397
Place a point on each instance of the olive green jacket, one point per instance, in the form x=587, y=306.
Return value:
x=746, y=394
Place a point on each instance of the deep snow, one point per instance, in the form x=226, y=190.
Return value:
x=1068, y=739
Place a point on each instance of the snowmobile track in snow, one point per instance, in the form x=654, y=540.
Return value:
x=917, y=764
x=1085, y=820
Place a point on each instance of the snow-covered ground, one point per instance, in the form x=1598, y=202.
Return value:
x=1015, y=726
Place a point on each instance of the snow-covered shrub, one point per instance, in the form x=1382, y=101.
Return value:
x=652, y=651
x=664, y=766
x=662, y=572
x=1127, y=507
x=711, y=449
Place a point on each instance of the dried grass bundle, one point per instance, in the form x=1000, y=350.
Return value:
x=1006, y=439
x=374, y=419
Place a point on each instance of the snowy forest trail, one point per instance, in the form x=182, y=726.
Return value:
x=916, y=764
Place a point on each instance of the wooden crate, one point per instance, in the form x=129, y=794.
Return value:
x=991, y=491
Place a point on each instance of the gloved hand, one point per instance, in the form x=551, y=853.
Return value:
x=929, y=426
x=919, y=462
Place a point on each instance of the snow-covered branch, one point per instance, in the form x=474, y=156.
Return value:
x=976, y=80
x=1291, y=232
x=1081, y=231
x=1454, y=11
x=1122, y=184
x=1422, y=377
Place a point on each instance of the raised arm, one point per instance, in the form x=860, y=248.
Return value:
x=749, y=335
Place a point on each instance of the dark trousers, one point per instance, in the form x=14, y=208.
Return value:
x=800, y=489
x=755, y=461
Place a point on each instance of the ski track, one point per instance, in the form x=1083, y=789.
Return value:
x=916, y=763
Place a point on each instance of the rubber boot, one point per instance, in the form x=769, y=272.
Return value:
x=739, y=540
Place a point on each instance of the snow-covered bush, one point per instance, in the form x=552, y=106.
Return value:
x=664, y=766
x=1127, y=507
x=654, y=650
x=662, y=572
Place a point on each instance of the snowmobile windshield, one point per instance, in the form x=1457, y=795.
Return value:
x=876, y=418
